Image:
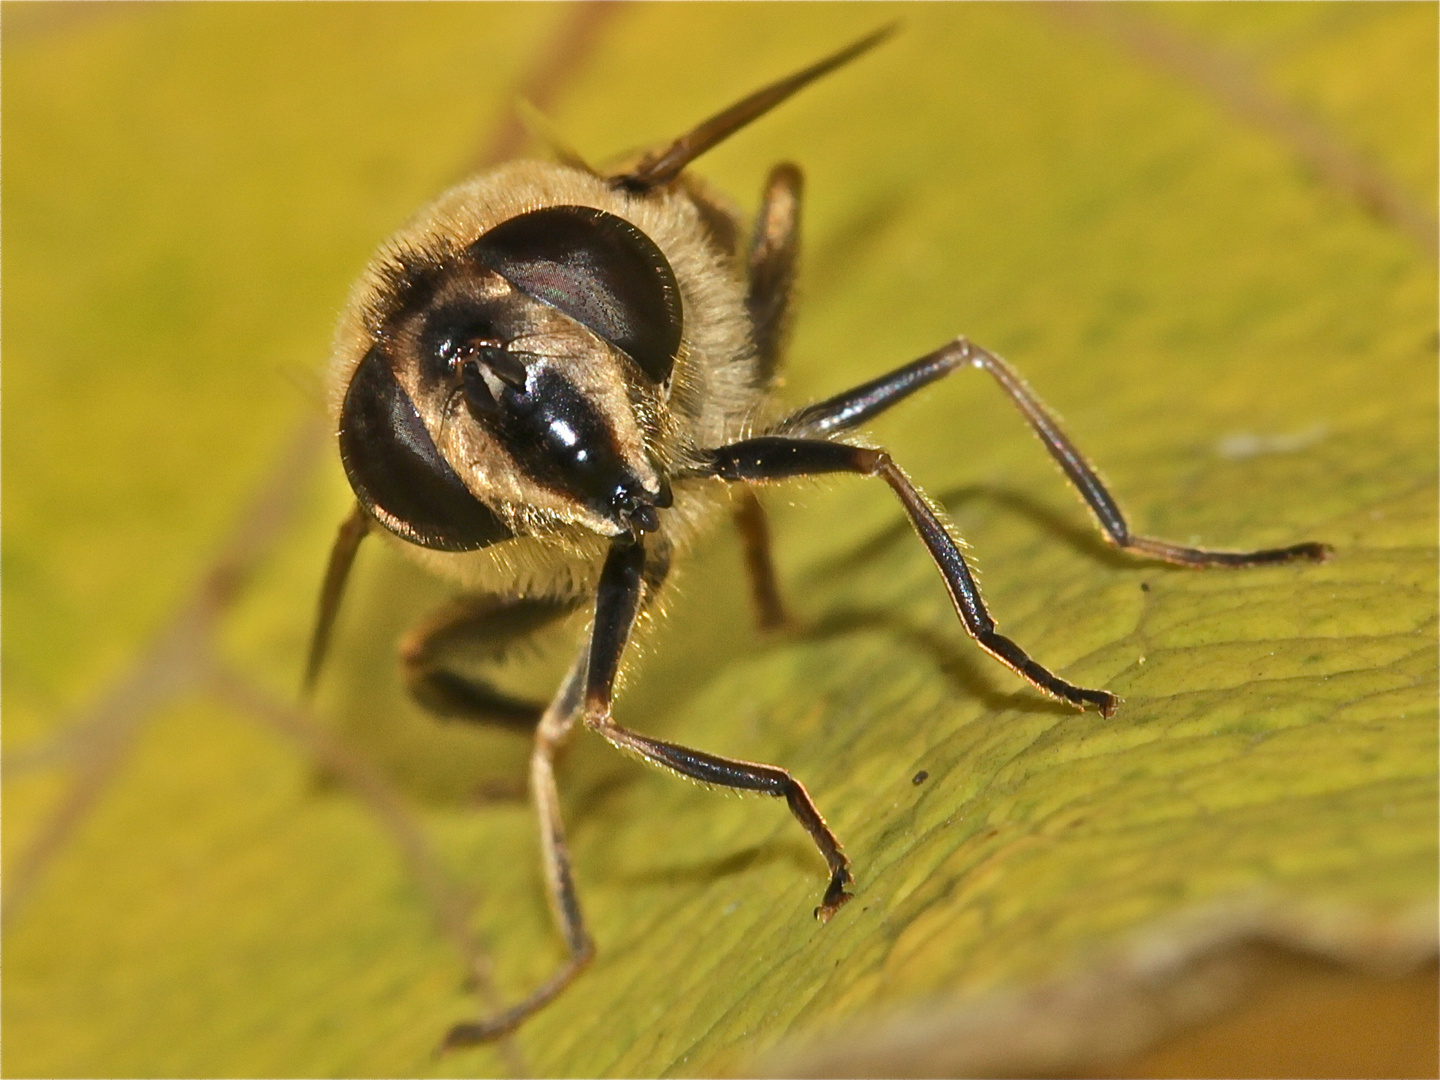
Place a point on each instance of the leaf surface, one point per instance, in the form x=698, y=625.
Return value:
x=1244, y=349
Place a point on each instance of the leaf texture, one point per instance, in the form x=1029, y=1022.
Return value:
x=1244, y=344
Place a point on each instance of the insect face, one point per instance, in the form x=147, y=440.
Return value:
x=515, y=381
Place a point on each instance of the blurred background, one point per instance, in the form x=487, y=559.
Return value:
x=1205, y=233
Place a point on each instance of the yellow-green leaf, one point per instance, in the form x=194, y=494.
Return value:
x=1244, y=343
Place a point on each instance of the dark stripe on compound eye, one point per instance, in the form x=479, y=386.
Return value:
x=397, y=472
x=598, y=269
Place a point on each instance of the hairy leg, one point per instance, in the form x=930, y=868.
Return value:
x=485, y=628
x=550, y=734
x=775, y=458
x=615, y=610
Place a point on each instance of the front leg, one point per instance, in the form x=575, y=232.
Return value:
x=621, y=588
x=624, y=583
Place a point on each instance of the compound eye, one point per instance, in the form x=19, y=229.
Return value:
x=598, y=269
x=397, y=472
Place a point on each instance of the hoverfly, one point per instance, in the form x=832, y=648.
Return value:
x=553, y=379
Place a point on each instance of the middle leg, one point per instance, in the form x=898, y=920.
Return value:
x=550, y=735
x=775, y=458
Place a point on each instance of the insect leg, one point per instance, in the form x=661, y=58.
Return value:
x=616, y=606
x=774, y=254
x=853, y=407
x=342, y=557
x=483, y=626
x=754, y=531
x=776, y=458
x=1082, y=474
x=860, y=404
x=550, y=735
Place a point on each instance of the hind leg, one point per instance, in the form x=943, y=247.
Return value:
x=771, y=265
x=483, y=628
